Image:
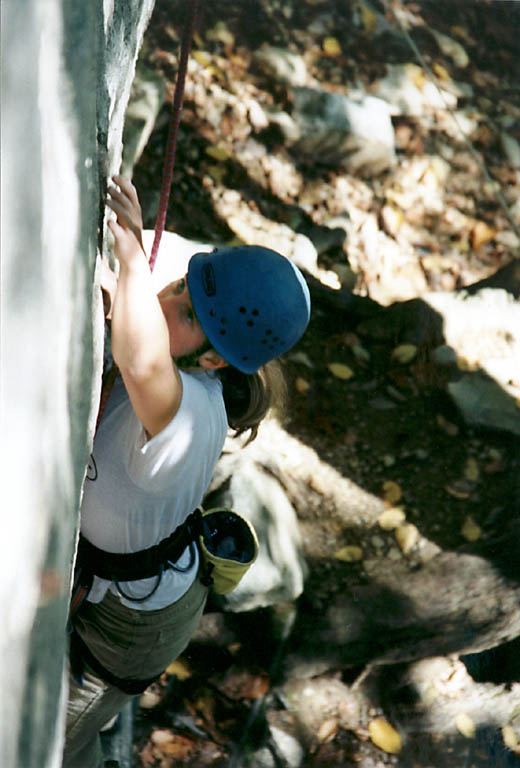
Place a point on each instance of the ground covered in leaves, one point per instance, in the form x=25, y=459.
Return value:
x=444, y=216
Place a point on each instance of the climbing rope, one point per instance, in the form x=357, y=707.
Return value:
x=173, y=130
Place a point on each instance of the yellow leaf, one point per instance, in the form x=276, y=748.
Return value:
x=180, y=668
x=385, y=736
x=510, y=737
x=406, y=536
x=470, y=530
x=217, y=172
x=441, y=72
x=471, y=470
x=404, y=353
x=340, y=371
x=391, y=518
x=331, y=46
x=218, y=152
x=350, y=554
x=201, y=57
x=465, y=725
x=391, y=492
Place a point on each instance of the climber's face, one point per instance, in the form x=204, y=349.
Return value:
x=186, y=334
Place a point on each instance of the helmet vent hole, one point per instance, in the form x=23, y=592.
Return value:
x=255, y=312
x=222, y=332
x=275, y=338
x=242, y=310
x=223, y=320
x=212, y=313
x=250, y=323
x=268, y=332
x=244, y=357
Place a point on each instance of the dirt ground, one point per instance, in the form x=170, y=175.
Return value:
x=389, y=427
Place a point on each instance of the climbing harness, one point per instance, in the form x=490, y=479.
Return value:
x=227, y=544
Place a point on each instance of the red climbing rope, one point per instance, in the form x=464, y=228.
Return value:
x=173, y=130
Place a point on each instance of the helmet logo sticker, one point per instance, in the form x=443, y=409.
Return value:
x=208, y=280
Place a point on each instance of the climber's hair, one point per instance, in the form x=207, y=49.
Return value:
x=249, y=396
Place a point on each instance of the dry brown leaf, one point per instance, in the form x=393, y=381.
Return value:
x=392, y=492
x=465, y=725
x=458, y=493
x=385, y=736
x=470, y=530
x=302, y=385
x=341, y=371
x=349, y=554
x=481, y=234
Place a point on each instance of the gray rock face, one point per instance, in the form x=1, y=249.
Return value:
x=66, y=76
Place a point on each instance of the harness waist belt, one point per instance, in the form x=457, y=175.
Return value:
x=116, y=566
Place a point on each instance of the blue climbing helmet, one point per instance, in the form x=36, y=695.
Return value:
x=253, y=304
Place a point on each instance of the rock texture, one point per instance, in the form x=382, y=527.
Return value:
x=66, y=77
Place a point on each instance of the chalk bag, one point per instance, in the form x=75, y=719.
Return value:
x=228, y=547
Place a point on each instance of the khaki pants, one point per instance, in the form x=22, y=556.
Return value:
x=130, y=644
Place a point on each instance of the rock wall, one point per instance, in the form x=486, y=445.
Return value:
x=66, y=77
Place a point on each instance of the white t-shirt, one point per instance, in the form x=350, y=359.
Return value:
x=138, y=491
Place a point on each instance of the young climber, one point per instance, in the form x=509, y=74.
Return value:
x=194, y=359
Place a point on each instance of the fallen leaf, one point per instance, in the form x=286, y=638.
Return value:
x=368, y=18
x=471, y=470
x=392, y=492
x=162, y=736
x=217, y=172
x=470, y=530
x=451, y=429
x=201, y=57
x=458, y=493
x=349, y=554
x=510, y=737
x=302, y=385
x=406, y=536
x=327, y=730
x=481, y=234
x=301, y=357
x=218, y=152
x=331, y=46
x=463, y=364
x=385, y=736
x=180, y=668
x=340, y=371
x=149, y=699
x=441, y=72
x=391, y=518
x=404, y=353
x=465, y=725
